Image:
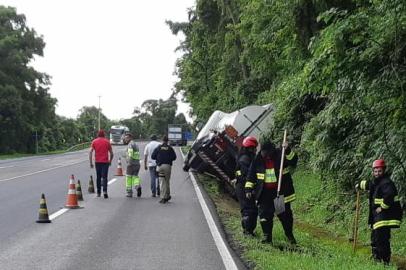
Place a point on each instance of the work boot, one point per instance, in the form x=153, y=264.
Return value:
x=139, y=192
x=248, y=233
x=167, y=199
x=292, y=240
x=153, y=195
x=129, y=193
x=105, y=195
x=98, y=194
x=267, y=239
x=163, y=201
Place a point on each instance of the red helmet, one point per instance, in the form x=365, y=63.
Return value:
x=379, y=163
x=250, y=142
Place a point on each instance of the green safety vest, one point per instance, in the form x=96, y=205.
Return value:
x=132, y=154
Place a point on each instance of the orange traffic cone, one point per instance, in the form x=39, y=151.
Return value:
x=72, y=199
x=119, y=171
x=43, y=211
x=79, y=191
x=90, y=189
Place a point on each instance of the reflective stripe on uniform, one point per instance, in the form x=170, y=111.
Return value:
x=380, y=202
x=249, y=184
x=285, y=171
x=290, y=198
x=363, y=185
x=290, y=156
x=238, y=173
x=386, y=223
x=270, y=176
x=260, y=176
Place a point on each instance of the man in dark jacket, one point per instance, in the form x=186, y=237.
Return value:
x=164, y=156
x=385, y=211
x=287, y=189
x=262, y=181
x=248, y=207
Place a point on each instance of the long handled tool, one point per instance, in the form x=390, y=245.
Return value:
x=279, y=201
x=357, y=210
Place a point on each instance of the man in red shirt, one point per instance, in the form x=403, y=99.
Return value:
x=101, y=147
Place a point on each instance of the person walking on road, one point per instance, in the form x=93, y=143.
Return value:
x=248, y=207
x=101, y=148
x=385, y=211
x=133, y=167
x=164, y=156
x=150, y=165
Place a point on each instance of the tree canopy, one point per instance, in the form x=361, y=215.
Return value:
x=335, y=71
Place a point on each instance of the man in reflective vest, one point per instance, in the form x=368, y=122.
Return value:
x=133, y=167
x=248, y=207
x=385, y=211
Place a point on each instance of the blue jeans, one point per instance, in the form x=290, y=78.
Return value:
x=154, y=179
x=102, y=170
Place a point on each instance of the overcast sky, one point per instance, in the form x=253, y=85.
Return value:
x=121, y=50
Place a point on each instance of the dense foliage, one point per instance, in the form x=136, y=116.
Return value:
x=335, y=71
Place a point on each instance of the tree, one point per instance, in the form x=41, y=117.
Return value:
x=25, y=104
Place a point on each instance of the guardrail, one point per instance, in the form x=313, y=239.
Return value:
x=77, y=147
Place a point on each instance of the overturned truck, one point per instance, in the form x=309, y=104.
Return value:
x=215, y=149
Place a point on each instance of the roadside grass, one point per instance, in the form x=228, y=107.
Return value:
x=321, y=230
x=71, y=149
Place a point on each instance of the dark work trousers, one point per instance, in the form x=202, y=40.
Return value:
x=248, y=208
x=154, y=180
x=266, y=210
x=380, y=243
x=102, y=170
x=286, y=219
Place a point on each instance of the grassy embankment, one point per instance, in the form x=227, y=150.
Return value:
x=324, y=221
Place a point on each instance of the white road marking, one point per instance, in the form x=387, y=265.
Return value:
x=225, y=254
x=41, y=171
x=111, y=181
x=7, y=167
x=64, y=210
x=58, y=213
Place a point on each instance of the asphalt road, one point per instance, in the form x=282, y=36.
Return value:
x=114, y=233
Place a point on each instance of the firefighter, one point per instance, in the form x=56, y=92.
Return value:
x=263, y=181
x=385, y=211
x=287, y=189
x=262, y=184
x=248, y=207
x=133, y=167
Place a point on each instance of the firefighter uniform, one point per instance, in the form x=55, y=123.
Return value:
x=263, y=180
x=248, y=207
x=133, y=168
x=288, y=190
x=384, y=195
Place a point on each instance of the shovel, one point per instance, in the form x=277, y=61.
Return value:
x=279, y=201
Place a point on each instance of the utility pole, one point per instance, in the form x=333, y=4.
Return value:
x=99, y=115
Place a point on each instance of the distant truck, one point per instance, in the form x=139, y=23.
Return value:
x=216, y=147
x=176, y=135
x=117, y=134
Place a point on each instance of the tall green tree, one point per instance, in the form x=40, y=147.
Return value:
x=26, y=108
x=334, y=70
